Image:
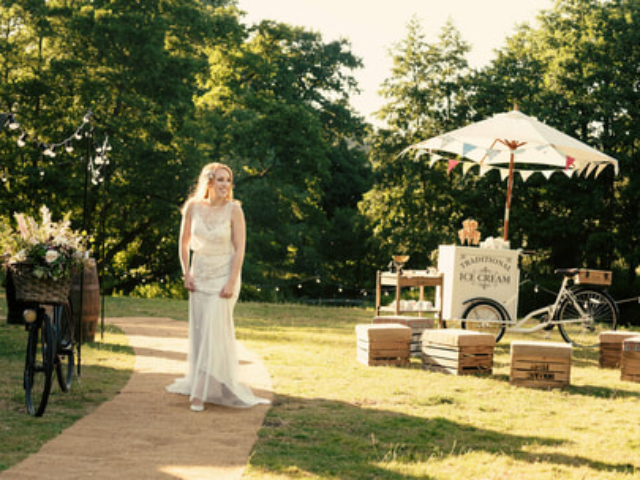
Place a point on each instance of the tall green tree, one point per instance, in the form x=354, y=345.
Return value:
x=279, y=104
x=412, y=208
x=568, y=72
x=176, y=84
x=135, y=65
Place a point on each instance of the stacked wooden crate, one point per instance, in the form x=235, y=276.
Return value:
x=540, y=364
x=611, y=348
x=457, y=351
x=383, y=344
x=630, y=362
x=417, y=325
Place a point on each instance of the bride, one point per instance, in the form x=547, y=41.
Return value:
x=212, y=246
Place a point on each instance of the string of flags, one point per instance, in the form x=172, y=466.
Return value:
x=545, y=159
x=95, y=163
x=483, y=169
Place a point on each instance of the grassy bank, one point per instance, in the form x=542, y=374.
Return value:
x=335, y=418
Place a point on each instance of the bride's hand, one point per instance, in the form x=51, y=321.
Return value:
x=189, y=283
x=227, y=291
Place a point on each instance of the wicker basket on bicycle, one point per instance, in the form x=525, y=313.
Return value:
x=30, y=288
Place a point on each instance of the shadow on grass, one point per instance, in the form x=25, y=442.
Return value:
x=332, y=439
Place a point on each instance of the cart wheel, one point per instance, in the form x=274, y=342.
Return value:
x=485, y=316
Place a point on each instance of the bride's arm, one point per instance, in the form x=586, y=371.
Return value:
x=239, y=240
x=185, y=239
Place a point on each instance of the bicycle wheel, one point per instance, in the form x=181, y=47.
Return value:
x=38, y=367
x=65, y=357
x=486, y=317
x=600, y=314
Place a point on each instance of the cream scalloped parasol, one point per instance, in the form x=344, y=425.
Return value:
x=517, y=140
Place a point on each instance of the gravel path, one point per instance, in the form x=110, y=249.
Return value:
x=147, y=433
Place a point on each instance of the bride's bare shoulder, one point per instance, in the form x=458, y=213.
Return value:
x=191, y=205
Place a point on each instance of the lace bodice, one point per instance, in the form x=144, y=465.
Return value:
x=211, y=229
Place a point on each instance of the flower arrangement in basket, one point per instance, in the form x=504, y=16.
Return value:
x=43, y=257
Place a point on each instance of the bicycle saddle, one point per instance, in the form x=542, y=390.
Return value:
x=567, y=272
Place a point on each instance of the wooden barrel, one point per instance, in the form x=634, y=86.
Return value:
x=85, y=300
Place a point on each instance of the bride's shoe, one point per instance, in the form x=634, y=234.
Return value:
x=197, y=408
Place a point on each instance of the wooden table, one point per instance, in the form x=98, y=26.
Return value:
x=411, y=278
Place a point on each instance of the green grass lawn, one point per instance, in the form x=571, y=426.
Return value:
x=337, y=419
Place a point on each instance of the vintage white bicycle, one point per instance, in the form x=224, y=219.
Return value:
x=581, y=310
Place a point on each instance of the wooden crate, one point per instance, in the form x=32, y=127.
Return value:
x=540, y=364
x=383, y=344
x=592, y=277
x=630, y=362
x=458, y=352
x=417, y=325
x=611, y=348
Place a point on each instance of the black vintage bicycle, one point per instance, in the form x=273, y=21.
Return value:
x=50, y=348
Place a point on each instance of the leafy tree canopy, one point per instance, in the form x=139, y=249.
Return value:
x=176, y=84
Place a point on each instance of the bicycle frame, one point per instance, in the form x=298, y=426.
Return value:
x=516, y=326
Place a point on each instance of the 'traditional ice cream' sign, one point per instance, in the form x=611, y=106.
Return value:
x=484, y=270
x=471, y=272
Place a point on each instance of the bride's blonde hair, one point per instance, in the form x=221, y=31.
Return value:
x=207, y=175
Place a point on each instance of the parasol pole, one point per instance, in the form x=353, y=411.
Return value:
x=509, y=189
x=513, y=145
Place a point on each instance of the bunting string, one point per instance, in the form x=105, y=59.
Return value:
x=569, y=171
x=469, y=155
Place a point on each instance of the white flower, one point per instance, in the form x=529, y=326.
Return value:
x=51, y=256
x=46, y=215
x=53, y=248
x=22, y=225
x=62, y=241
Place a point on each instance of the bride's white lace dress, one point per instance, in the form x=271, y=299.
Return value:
x=213, y=366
